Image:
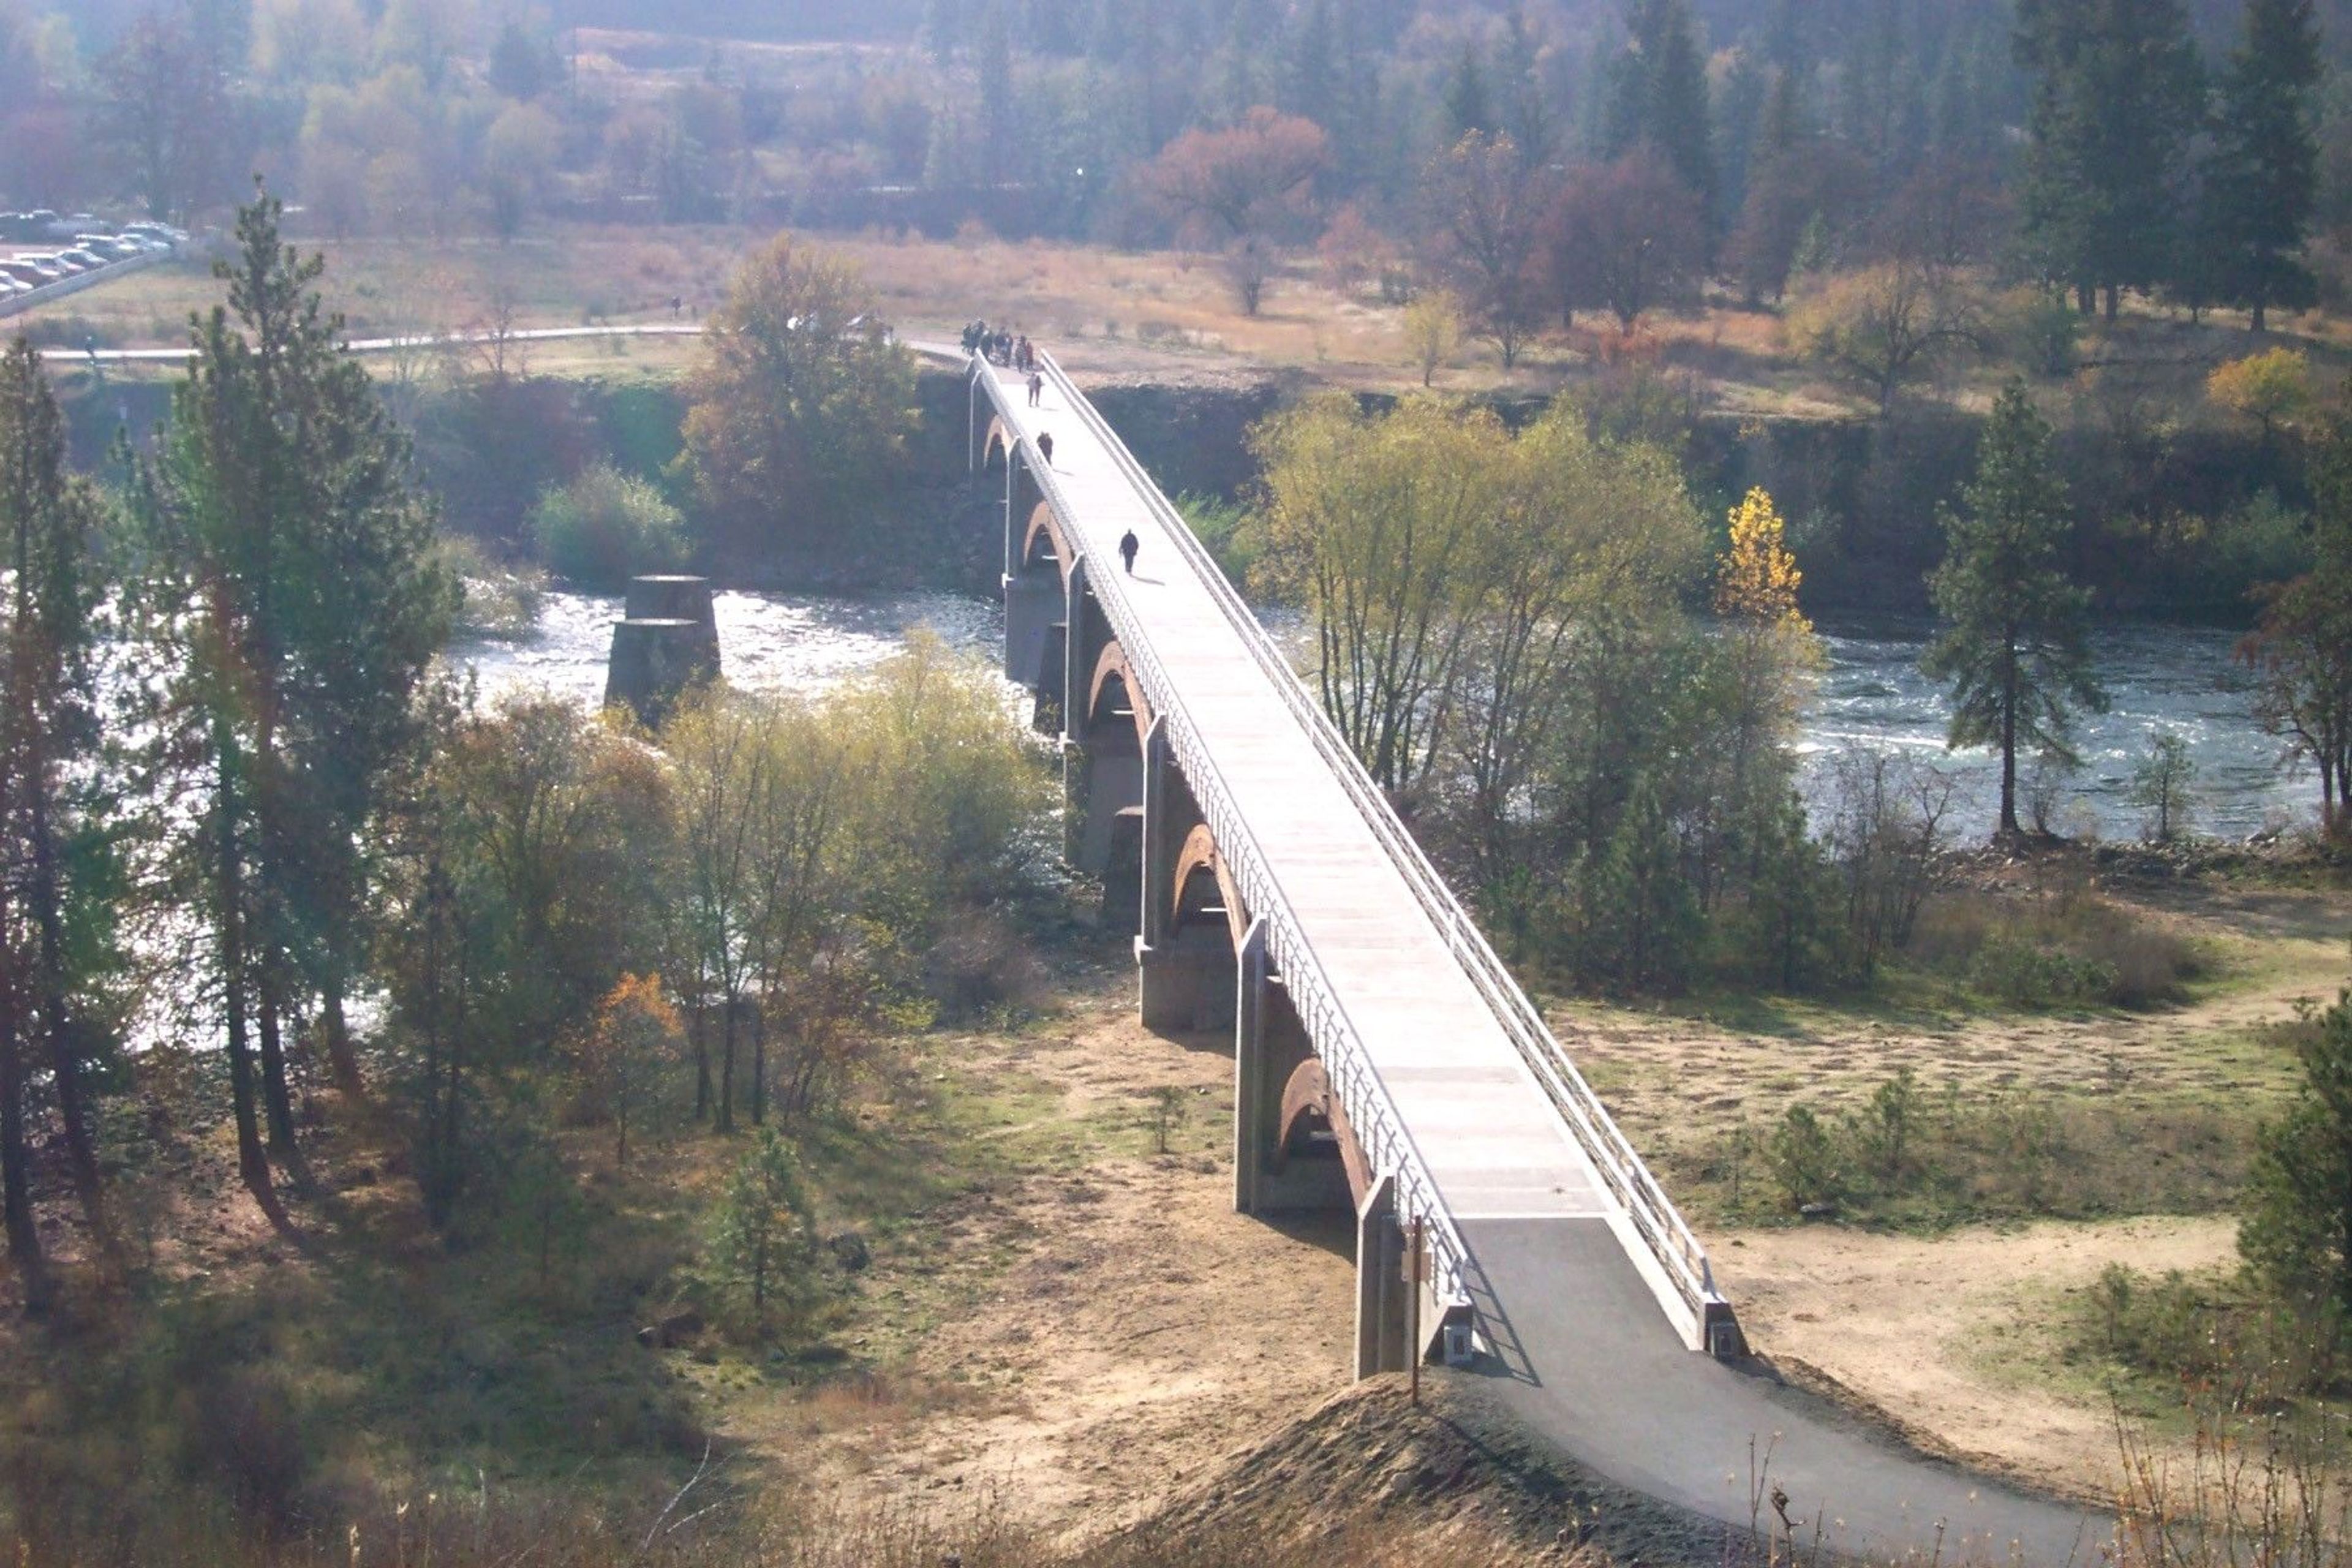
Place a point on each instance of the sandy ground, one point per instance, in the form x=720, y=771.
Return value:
x=1931, y=1332
x=1134, y=1330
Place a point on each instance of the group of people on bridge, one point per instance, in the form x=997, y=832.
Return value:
x=999, y=347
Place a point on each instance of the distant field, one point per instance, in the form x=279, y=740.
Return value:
x=1157, y=313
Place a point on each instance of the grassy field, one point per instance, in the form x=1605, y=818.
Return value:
x=1162, y=315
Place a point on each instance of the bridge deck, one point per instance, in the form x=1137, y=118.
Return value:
x=1493, y=1144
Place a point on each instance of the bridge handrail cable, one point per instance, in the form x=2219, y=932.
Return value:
x=1652, y=1214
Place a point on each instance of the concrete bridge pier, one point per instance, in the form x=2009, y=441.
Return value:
x=1293, y=1150
x=1032, y=617
x=1184, y=957
x=1380, y=1308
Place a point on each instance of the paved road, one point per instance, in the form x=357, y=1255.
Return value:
x=386, y=345
x=1586, y=1357
x=1589, y=1364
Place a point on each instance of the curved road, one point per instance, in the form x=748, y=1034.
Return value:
x=1586, y=1361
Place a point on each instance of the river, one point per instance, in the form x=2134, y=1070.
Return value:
x=1870, y=693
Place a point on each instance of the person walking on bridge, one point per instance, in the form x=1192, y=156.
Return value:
x=1045, y=446
x=1128, y=545
x=1036, y=387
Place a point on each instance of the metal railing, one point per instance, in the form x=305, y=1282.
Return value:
x=1654, y=1215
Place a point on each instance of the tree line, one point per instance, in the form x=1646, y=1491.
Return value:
x=240, y=793
x=1545, y=158
x=1522, y=637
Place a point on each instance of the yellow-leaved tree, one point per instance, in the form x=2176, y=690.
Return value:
x=1771, y=642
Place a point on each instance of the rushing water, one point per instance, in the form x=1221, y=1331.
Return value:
x=1870, y=692
x=795, y=642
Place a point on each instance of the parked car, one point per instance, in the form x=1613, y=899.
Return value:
x=24, y=272
x=88, y=260
x=49, y=268
x=107, y=246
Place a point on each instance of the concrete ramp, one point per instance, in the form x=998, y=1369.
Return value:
x=1585, y=1361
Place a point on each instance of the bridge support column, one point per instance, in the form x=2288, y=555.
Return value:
x=1381, y=1285
x=1033, y=609
x=1100, y=785
x=1249, y=1072
x=1077, y=658
x=1184, y=986
x=1156, y=854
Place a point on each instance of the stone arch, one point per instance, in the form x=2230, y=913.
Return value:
x=1311, y=1114
x=1202, y=882
x=1045, y=527
x=999, y=443
x=1114, y=678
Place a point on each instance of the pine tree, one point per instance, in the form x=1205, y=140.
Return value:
x=49, y=800
x=2266, y=160
x=1469, y=106
x=1659, y=95
x=2118, y=91
x=993, y=61
x=1527, y=112
x=1311, y=85
x=762, y=1243
x=2012, y=647
x=288, y=588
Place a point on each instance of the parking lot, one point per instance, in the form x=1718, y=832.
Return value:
x=47, y=256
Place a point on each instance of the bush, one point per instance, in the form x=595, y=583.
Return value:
x=1804, y=1159
x=2026, y=975
x=2066, y=948
x=604, y=528
x=2043, y=328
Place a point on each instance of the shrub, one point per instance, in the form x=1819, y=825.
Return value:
x=1804, y=1159
x=606, y=527
x=2043, y=328
x=2026, y=975
x=2059, y=949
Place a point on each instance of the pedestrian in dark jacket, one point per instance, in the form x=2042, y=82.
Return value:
x=1128, y=545
x=1037, y=388
x=1045, y=446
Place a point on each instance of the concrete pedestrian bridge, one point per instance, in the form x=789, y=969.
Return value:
x=1384, y=1059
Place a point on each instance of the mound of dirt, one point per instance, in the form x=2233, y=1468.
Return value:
x=1456, y=1481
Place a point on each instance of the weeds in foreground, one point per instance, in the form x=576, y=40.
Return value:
x=2276, y=1492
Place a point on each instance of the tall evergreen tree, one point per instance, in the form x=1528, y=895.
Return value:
x=1658, y=94
x=1469, y=104
x=287, y=588
x=53, y=924
x=994, y=63
x=2118, y=91
x=2266, y=160
x=1311, y=84
x=2011, y=645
